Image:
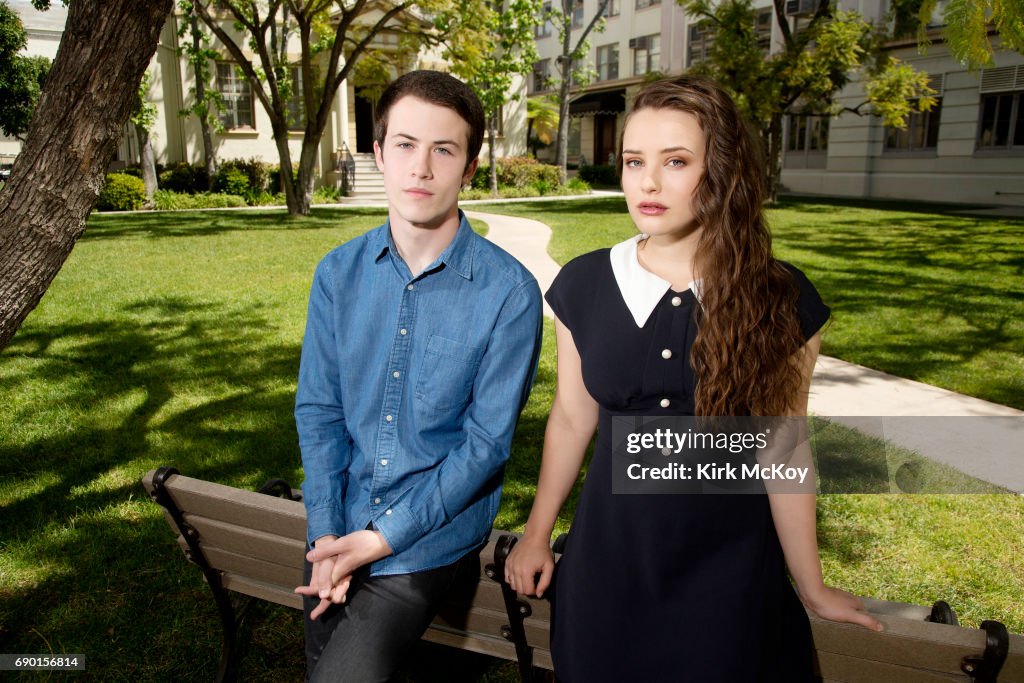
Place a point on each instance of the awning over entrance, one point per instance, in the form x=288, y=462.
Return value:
x=591, y=103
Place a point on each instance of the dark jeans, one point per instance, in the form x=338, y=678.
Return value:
x=367, y=638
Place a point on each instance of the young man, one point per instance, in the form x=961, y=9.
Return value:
x=421, y=345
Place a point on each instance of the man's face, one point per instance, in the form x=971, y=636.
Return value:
x=423, y=160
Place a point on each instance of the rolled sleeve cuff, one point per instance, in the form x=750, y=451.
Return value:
x=399, y=527
x=323, y=520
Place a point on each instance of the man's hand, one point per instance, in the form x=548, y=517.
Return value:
x=335, y=560
x=321, y=583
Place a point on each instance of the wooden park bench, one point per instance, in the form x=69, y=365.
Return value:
x=252, y=543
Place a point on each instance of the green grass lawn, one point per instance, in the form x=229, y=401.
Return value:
x=173, y=339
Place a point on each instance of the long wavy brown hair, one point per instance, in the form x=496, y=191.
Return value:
x=747, y=352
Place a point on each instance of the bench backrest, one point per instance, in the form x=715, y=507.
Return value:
x=257, y=541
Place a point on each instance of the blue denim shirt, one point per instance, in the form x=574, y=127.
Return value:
x=409, y=391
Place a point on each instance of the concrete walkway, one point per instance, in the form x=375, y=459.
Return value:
x=983, y=439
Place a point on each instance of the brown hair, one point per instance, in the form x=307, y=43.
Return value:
x=437, y=88
x=746, y=353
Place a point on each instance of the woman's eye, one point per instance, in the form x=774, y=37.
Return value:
x=633, y=163
x=676, y=162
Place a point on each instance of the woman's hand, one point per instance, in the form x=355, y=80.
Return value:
x=838, y=605
x=527, y=559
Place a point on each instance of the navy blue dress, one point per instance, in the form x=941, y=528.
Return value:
x=665, y=587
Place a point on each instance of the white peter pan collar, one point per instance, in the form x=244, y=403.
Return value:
x=640, y=288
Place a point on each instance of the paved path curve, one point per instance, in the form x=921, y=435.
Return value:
x=986, y=448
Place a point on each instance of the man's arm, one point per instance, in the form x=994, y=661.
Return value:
x=500, y=391
x=324, y=439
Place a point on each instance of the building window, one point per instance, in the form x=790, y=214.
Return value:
x=763, y=28
x=577, y=14
x=643, y=4
x=646, y=54
x=1002, y=121
x=296, y=102
x=236, y=111
x=608, y=62
x=701, y=38
x=541, y=75
x=613, y=8
x=921, y=133
x=543, y=27
x=806, y=141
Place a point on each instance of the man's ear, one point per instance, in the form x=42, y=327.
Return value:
x=378, y=156
x=470, y=171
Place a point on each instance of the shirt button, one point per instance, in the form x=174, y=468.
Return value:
x=403, y=331
x=411, y=287
x=396, y=374
x=389, y=418
x=388, y=511
x=677, y=301
x=665, y=403
x=666, y=353
x=384, y=461
x=376, y=501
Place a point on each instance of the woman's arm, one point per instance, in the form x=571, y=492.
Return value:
x=796, y=525
x=571, y=425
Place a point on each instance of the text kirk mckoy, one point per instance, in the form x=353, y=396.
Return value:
x=712, y=471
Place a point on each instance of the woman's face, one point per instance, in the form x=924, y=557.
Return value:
x=662, y=162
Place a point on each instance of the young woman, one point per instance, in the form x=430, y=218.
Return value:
x=693, y=316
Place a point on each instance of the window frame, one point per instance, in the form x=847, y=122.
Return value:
x=652, y=59
x=229, y=99
x=611, y=50
x=1014, y=124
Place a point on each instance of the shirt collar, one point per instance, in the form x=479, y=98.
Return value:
x=458, y=255
x=640, y=288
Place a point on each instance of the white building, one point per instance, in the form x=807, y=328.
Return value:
x=969, y=148
x=246, y=127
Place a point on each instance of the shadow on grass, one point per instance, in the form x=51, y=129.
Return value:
x=166, y=224
x=96, y=570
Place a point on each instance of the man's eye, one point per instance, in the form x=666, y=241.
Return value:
x=443, y=150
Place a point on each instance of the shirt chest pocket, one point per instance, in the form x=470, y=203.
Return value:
x=449, y=369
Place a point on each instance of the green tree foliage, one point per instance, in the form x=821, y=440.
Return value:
x=805, y=73
x=966, y=26
x=490, y=67
x=541, y=122
x=306, y=49
x=21, y=77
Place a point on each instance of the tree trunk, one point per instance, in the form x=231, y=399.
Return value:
x=209, y=152
x=147, y=160
x=89, y=95
x=491, y=135
x=562, y=144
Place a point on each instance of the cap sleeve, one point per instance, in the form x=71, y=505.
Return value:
x=569, y=293
x=813, y=312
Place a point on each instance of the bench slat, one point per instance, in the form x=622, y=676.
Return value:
x=250, y=509
x=287, y=552
x=913, y=644
x=836, y=668
x=488, y=646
